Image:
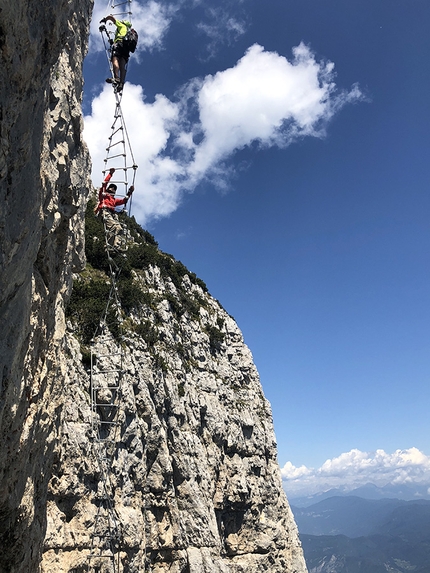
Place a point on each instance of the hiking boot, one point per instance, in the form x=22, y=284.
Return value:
x=118, y=87
x=114, y=81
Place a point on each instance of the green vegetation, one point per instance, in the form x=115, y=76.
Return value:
x=216, y=338
x=146, y=331
x=87, y=305
x=184, y=303
x=140, y=255
x=160, y=363
x=92, y=290
x=181, y=389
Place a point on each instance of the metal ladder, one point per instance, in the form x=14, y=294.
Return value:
x=107, y=366
x=124, y=9
x=118, y=151
x=106, y=380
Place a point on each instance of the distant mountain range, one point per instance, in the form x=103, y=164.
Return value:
x=373, y=554
x=367, y=491
x=354, y=535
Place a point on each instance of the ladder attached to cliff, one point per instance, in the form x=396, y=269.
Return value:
x=107, y=373
x=108, y=390
x=106, y=379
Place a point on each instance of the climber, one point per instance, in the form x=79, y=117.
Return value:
x=120, y=52
x=106, y=206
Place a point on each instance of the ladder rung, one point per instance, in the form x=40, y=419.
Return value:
x=112, y=144
x=113, y=156
x=116, y=131
x=121, y=168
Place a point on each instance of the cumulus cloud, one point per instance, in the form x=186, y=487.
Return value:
x=264, y=100
x=150, y=19
x=356, y=468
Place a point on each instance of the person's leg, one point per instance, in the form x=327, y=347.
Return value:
x=122, y=62
x=116, y=65
x=123, y=59
x=113, y=228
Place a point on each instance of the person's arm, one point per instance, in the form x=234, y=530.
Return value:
x=129, y=194
x=108, y=176
x=125, y=199
x=109, y=18
x=100, y=199
x=106, y=180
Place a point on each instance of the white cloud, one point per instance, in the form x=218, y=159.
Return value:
x=294, y=473
x=150, y=19
x=356, y=468
x=264, y=100
x=221, y=27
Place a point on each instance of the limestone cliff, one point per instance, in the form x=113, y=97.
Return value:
x=193, y=474
x=44, y=168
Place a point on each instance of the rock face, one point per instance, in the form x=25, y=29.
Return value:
x=193, y=476
x=42, y=196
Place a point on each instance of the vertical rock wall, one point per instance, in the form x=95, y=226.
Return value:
x=193, y=474
x=42, y=195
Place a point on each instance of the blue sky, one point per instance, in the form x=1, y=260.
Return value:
x=283, y=151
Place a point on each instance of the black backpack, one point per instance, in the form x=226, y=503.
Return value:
x=130, y=40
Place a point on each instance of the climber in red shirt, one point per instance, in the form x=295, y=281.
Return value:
x=106, y=206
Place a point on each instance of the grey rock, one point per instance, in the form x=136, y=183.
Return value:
x=193, y=472
x=44, y=179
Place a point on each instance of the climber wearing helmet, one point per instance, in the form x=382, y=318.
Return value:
x=106, y=206
x=120, y=53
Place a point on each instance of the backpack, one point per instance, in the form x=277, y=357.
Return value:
x=130, y=40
